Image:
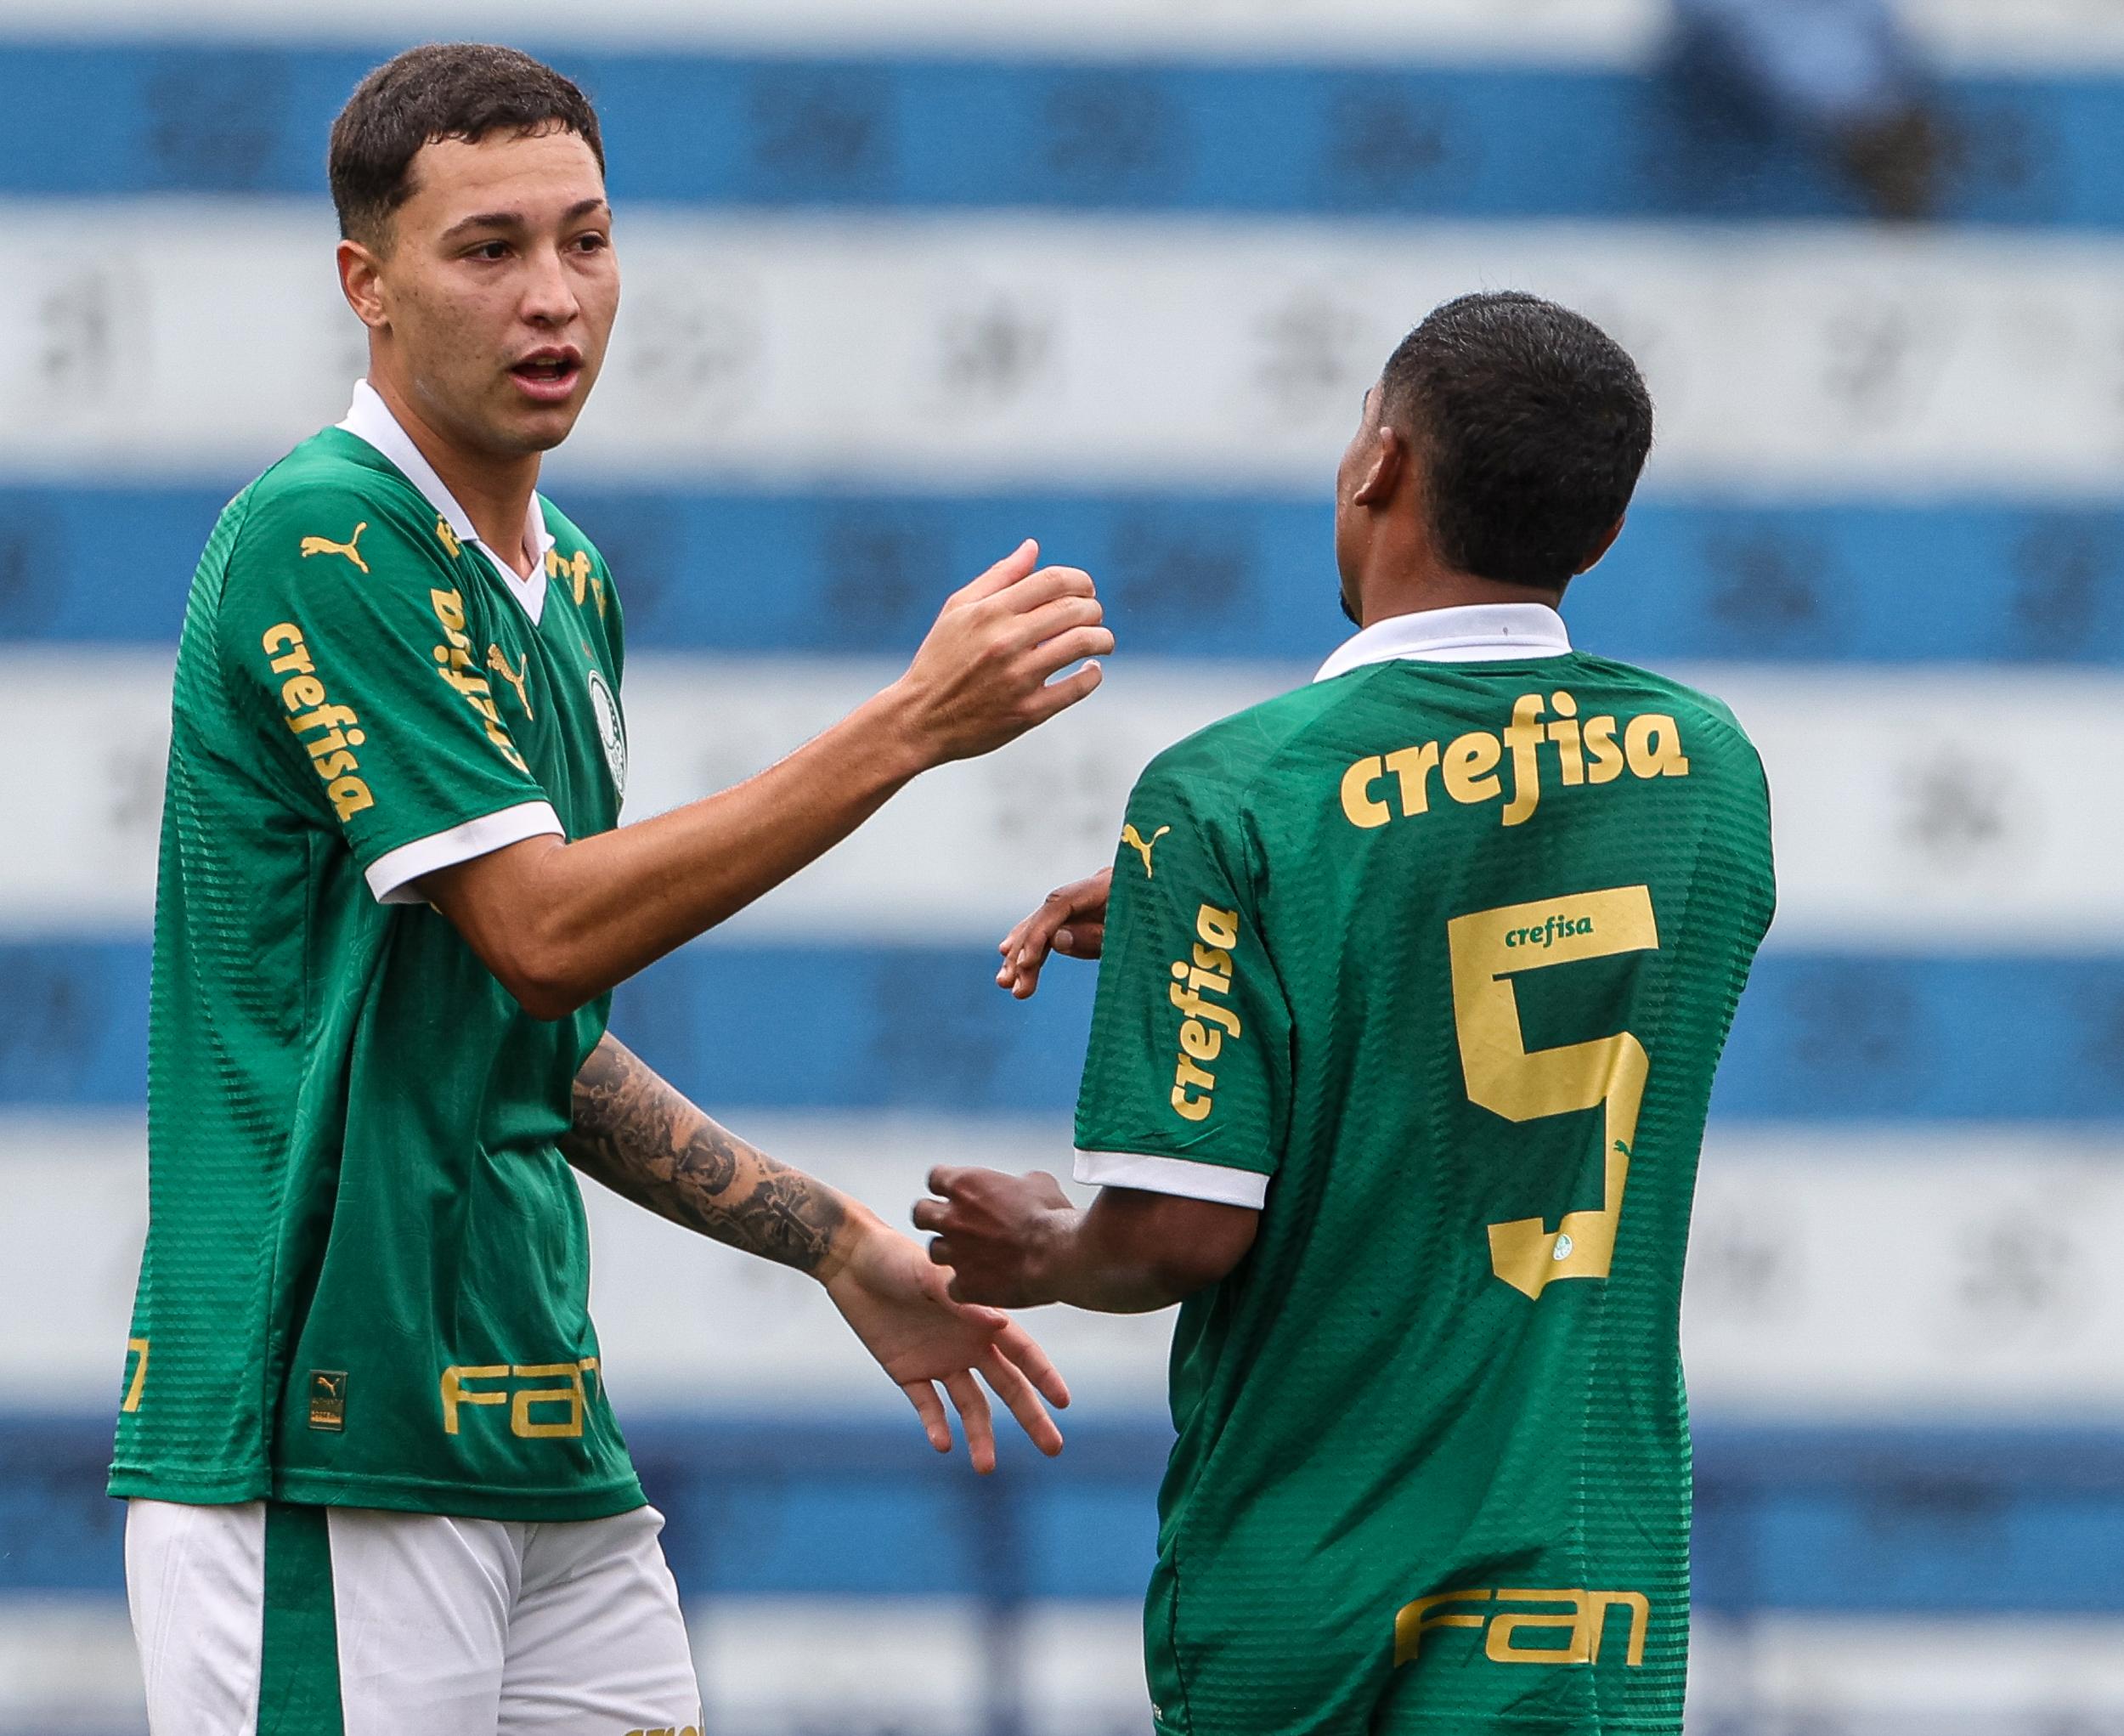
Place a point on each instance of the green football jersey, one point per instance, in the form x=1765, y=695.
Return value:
x=1441, y=956
x=367, y=1268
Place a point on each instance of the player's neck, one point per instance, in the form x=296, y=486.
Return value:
x=495, y=492
x=1415, y=589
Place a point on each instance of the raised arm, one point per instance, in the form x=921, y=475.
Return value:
x=559, y=923
x=640, y=1137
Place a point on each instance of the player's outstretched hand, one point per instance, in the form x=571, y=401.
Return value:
x=1071, y=922
x=894, y=1299
x=992, y=1229
x=986, y=672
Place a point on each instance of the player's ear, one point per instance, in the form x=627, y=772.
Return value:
x=1381, y=475
x=1600, y=548
x=361, y=282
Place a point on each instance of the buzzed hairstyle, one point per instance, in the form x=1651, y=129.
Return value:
x=443, y=90
x=1532, y=426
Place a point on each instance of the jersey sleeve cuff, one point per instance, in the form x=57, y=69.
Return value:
x=1214, y=1182
x=391, y=875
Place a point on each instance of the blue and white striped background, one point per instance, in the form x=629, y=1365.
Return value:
x=907, y=281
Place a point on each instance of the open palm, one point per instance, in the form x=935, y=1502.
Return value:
x=894, y=1300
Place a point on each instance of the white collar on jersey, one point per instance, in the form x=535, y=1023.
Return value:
x=1480, y=632
x=370, y=420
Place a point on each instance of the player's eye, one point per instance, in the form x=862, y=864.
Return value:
x=592, y=241
x=489, y=250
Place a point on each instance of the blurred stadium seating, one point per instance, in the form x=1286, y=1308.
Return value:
x=907, y=281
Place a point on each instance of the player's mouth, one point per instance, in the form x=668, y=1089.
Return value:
x=548, y=375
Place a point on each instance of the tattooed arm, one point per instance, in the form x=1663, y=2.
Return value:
x=644, y=1141
x=636, y=1134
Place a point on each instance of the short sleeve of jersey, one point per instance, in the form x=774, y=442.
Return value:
x=1186, y=1085
x=343, y=634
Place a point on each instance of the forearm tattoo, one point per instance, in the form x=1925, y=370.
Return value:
x=646, y=1142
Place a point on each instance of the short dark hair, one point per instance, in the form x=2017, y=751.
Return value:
x=442, y=90
x=1532, y=425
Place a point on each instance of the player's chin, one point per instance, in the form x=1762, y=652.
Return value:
x=539, y=428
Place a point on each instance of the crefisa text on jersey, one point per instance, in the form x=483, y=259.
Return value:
x=1466, y=767
x=332, y=749
x=1209, y=973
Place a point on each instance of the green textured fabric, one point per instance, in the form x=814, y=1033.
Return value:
x=367, y=1267
x=298, y=1662
x=1449, y=952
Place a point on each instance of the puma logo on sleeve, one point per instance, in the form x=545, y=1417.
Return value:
x=325, y=545
x=1136, y=841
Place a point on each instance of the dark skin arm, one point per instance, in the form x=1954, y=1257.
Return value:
x=559, y=923
x=645, y=1141
x=1016, y=1241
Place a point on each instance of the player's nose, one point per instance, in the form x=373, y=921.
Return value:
x=549, y=299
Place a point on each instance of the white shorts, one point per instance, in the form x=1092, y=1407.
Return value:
x=266, y=1620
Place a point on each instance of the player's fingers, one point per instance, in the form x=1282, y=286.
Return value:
x=983, y=1319
x=1033, y=591
x=1084, y=938
x=1021, y=970
x=1072, y=647
x=1076, y=911
x=1023, y=1350
x=1033, y=937
x=1059, y=695
x=1021, y=975
x=974, y=1417
x=1013, y=947
x=929, y=1214
x=1009, y=1384
x=930, y=1409
x=1042, y=624
x=942, y=1178
x=1004, y=574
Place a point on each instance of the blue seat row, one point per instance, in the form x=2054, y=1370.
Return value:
x=1247, y=576
x=1819, y=1037
x=1864, y=1521
x=957, y=133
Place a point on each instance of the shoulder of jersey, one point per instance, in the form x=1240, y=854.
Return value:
x=1234, y=749
x=1690, y=706
x=332, y=511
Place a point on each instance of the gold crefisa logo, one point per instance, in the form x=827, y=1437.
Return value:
x=328, y=732
x=1200, y=986
x=325, y=545
x=1585, y=752
x=1143, y=846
